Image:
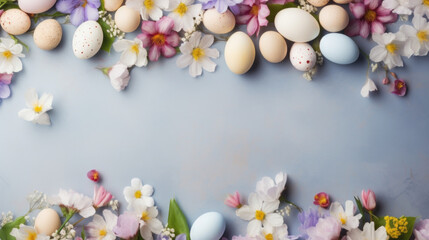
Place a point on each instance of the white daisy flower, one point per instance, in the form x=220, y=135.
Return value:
x=403, y=7
x=74, y=202
x=418, y=37
x=133, y=52
x=37, y=108
x=389, y=49
x=422, y=9
x=346, y=217
x=270, y=189
x=10, y=52
x=274, y=233
x=183, y=14
x=148, y=8
x=368, y=233
x=148, y=222
x=368, y=87
x=260, y=214
x=26, y=233
x=102, y=228
x=196, y=54
x=138, y=194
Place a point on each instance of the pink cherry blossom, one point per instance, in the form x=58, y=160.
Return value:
x=254, y=13
x=160, y=38
x=101, y=197
x=233, y=200
x=370, y=17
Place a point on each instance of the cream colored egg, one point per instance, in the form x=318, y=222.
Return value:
x=342, y=1
x=333, y=18
x=48, y=34
x=15, y=21
x=219, y=23
x=239, y=53
x=127, y=19
x=296, y=25
x=112, y=5
x=39, y=6
x=273, y=46
x=87, y=39
x=47, y=221
x=318, y=3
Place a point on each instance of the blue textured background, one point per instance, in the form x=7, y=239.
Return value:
x=199, y=139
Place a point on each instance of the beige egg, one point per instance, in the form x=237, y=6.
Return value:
x=333, y=18
x=273, y=46
x=239, y=53
x=318, y=3
x=48, y=34
x=47, y=221
x=112, y=5
x=219, y=23
x=343, y=1
x=15, y=21
x=127, y=19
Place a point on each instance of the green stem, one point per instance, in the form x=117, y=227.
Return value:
x=76, y=223
x=291, y=203
x=19, y=41
x=68, y=217
x=370, y=215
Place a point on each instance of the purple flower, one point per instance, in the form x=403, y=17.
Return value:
x=370, y=18
x=127, y=226
x=79, y=10
x=421, y=231
x=222, y=5
x=162, y=236
x=399, y=87
x=326, y=229
x=5, y=80
x=308, y=219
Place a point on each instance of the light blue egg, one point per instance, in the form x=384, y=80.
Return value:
x=209, y=226
x=339, y=48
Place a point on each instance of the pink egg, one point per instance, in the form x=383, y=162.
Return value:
x=39, y=6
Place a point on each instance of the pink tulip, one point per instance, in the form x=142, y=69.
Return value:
x=101, y=197
x=233, y=200
x=368, y=199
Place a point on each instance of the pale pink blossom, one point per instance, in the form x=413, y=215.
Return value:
x=101, y=197
x=326, y=229
x=233, y=200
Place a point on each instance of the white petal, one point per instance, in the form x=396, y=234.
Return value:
x=31, y=97
x=273, y=219
x=195, y=69
x=43, y=119
x=211, y=52
x=27, y=114
x=184, y=60
x=208, y=64
x=46, y=102
x=245, y=213
x=378, y=53
x=155, y=225
x=254, y=228
x=269, y=207
x=206, y=41
x=122, y=45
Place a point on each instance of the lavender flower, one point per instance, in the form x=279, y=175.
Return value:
x=127, y=226
x=5, y=80
x=79, y=10
x=308, y=219
x=222, y=5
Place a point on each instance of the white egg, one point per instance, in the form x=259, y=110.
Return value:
x=209, y=226
x=296, y=25
x=239, y=53
x=32, y=6
x=273, y=46
x=87, y=40
x=302, y=56
x=218, y=23
x=47, y=221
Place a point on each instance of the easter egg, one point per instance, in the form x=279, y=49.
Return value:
x=339, y=48
x=15, y=21
x=343, y=1
x=112, y=5
x=87, y=40
x=296, y=25
x=48, y=34
x=218, y=23
x=127, y=19
x=34, y=7
x=239, y=53
x=47, y=221
x=302, y=56
x=273, y=46
x=333, y=18
x=209, y=226
x=318, y=3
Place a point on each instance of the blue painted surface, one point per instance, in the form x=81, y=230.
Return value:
x=199, y=139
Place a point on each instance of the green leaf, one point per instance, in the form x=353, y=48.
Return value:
x=102, y=8
x=107, y=39
x=275, y=8
x=82, y=234
x=36, y=17
x=177, y=220
x=7, y=228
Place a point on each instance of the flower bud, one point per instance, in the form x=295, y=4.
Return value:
x=368, y=199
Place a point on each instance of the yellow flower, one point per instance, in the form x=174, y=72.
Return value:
x=396, y=227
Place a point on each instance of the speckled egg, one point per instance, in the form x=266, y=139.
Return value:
x=273, y=46
x=32, y=6
x=87, y=40
x=302, y=56
x=342, y=1
x=127, y=19
x=112, y=5
x=218, y=23
x=333, y=18
x=15, y=21
x=48, y=34
x=318, y=3
x=209, y=226
x=239, y=53
x=47, y=221
x=296, y=25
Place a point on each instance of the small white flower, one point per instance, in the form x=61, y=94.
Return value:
x=138, y=194
x=26, y=233
x=418, y=37
x=368, y=233
x=148, y=222
x=10, y=52
x=133, y=52
x=183, y=14
x=346, y=217
x=37, y=108
x=73, y=201
x=196, y=54
x=404, y=7
x=119, y=76
x=389, y=49
x=422, y=9
x=273, y=233
x=102, y=228
x=368, y=87
x=260, y=214
x=269, y=189
x=148, y=8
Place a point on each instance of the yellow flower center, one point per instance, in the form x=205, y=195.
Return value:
x=426, y=2
x=148, y=4
x=7, y=54
x=269, y=236
x=138, y=194
x=391, y=48
x=197, y=53
x=102, y=232
x=145, y=216
x=181, y=9
x=37, y=108
x=422, y=35
x=259, y=215
x=343, y=220
x=399, y=85
x=135, y=48
x=254, y=10
x=158, y=39
x=31, y=236
x=370, y=16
